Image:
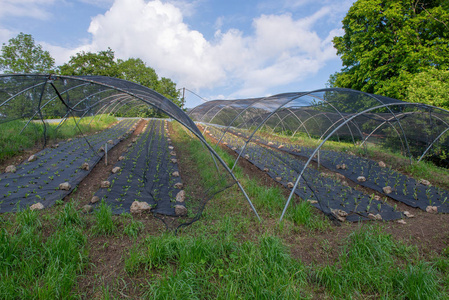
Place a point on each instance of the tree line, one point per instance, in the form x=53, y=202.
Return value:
x=23, y=55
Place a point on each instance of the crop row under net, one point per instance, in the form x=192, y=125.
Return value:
x=148, y=173
x=39, y=180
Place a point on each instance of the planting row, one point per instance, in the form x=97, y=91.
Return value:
x=326, y=191
x=374, y=175
x=146, y=176
x=54, y=172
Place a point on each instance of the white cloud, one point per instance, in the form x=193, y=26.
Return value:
x=279, y=51
x=36, y=9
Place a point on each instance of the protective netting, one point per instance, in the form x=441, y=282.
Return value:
x=317, y=144
x=149, y=171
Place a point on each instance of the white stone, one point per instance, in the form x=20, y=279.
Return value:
x=180, y=210
x=37, y=206
x=11, y=169
x=116, y=170
x=290, y=185
x=174, y=160
x=138, y=207
x=278, y=178
x=266, y=170
x=178, y=185
x=94, y=199
x=32, y=158
x=110, y=142
x=171, y=147
x=339, y=214
x=173, y=153
x=424, y=182
x=270, y=144
x=432, y=209
x=312, y=201
x=85, y=166
x=401, y=221
x=65, y=186
x=121, y=158
x=387, y=189
x=382, y=164
x=87, y=209
x=281, y=146
x=181, y=196
x=175, y=174
x=408, y=214
x=105, y=184
x=361, y=179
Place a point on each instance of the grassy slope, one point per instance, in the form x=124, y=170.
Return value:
x=12, y=143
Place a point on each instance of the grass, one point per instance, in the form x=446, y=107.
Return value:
x=219, y=266
x=104, y=223
x=12, y=143
x=372, y=263
x=35, y=266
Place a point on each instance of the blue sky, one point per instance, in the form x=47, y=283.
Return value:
x=218, y=49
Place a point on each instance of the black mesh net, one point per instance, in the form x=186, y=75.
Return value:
x=326, y=146
x=152, y=168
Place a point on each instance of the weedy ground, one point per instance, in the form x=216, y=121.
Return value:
x=228, y=254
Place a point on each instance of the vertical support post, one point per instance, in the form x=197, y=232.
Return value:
x=318, y=158
x=106, y=154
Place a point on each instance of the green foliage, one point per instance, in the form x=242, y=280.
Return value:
x=386, y=42
x=133, y=228
x=22, y=55
x=430, y=87
x=88, y=63
x=34, y=266
x=368, y=263
x=218, y=266
x=12, y=143
x=302, y=214
x=104, y=223
x=133, y=69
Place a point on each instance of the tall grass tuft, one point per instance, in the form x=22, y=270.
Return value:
x=302, y=214
x=104, y=223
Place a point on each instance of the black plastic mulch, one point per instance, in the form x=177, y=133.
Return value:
x=404, y=189
x=38, y=181
x=329, y=192
x=145, y=175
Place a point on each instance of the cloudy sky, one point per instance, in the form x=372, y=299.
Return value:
x=219, y=49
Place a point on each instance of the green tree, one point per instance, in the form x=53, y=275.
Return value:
x=22, y=55
x=387, y=42
x=430, y=87
x=135, y=70
x=87, y=63
x=168, y=88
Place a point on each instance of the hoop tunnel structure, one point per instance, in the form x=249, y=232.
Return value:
x=412, y=130
x=34, y=97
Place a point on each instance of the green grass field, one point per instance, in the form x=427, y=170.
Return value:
x=13, y=143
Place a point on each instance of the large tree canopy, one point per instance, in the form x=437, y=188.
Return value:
x=388, y=42
x=22, y=55
x=132, y=69
x=88, y=63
